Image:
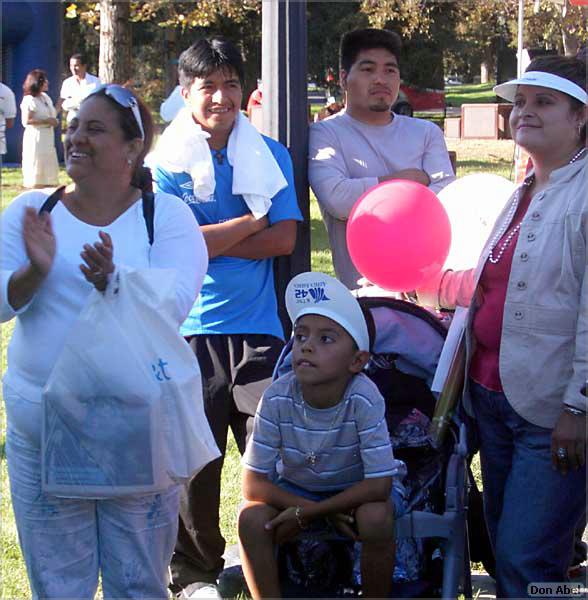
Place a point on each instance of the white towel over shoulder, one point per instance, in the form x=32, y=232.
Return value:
x=183, y=147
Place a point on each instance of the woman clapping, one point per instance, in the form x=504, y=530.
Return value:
x=99, y=222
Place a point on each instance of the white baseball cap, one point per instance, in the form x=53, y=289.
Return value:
x=508, y=90
x=315, y=293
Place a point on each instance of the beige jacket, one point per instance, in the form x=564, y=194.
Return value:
x=544, y=342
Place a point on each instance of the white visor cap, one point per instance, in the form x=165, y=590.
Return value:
x=508, y=90
x=314, y=293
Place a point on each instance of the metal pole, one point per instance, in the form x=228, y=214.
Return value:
x=285, y=116
x=520, y=38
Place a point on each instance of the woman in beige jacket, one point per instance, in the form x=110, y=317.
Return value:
x=527, y=335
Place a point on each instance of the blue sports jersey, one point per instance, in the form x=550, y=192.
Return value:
x=238, y=294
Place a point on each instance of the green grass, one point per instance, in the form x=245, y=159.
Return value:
x=11, y=184
x=472, y=155
x=314, y=108
x=320, y=258
x=483, y=156
x=13, y=579
x=456, y=95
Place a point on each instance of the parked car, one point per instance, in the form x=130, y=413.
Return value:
x=402, y=105
x=410, y=99
x=453, y=80
x=413, y=99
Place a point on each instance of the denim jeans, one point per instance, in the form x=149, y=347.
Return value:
x=66, y=542
x=531, y=510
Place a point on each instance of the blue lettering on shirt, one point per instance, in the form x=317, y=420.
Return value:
x=238, y=294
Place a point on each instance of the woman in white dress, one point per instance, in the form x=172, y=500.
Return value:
x=39, y=158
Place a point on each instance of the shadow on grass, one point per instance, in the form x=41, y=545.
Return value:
x=504, y=168
x=483, y=164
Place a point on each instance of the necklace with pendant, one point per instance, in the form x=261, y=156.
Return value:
x=312, y=456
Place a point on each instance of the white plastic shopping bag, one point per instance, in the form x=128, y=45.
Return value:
x=122, y=409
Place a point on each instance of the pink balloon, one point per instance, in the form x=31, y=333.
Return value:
x=398, y=235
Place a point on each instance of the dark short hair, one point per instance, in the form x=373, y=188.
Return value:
x=33, y=83
x=78, y=56
x=353, y=42
x=568, y=67
x=208, y=55
x=130, y=128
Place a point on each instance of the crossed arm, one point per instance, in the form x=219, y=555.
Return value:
x=417, y=175
x=247, y=237
x=32, y=120
x=337, y=189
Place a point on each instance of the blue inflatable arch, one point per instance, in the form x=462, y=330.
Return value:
x=31, y=39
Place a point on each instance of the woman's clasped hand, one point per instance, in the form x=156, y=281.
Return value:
x=98, y=258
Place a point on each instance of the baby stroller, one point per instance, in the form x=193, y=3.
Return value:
x=432, y=536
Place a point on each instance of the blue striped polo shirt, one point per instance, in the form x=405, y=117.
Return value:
x=349, y=441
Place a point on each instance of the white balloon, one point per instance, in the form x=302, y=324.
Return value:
x=473, y=204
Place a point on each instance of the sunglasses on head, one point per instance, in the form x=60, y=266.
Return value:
x=123, y=97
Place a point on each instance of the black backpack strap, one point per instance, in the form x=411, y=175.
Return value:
x=50, y=203
x=149, y=213
x=148, y=208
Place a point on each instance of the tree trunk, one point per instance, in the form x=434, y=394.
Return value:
x=570, y=41
x=171, y=64
x=115, y=42
x=484, y=73
x=571, y=44
x=488, y=64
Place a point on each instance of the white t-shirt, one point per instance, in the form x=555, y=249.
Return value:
x=43, y=325
x=74, y=91
x=7, y=111
x=346, y=157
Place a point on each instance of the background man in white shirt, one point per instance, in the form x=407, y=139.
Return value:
x=75, y=88
x=7, y=114
x=366, y=144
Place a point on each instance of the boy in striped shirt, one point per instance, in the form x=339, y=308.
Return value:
x=320, y=448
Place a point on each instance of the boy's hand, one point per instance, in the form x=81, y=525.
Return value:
x=344, y=523
x=286, y=516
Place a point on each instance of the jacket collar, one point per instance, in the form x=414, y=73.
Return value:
x=565, y=173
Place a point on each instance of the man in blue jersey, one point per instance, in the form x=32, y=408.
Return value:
x=240, y=187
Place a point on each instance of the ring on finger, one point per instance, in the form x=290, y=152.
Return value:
x=562, y=454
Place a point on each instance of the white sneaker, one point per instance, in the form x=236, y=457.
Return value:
x=200, y=589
